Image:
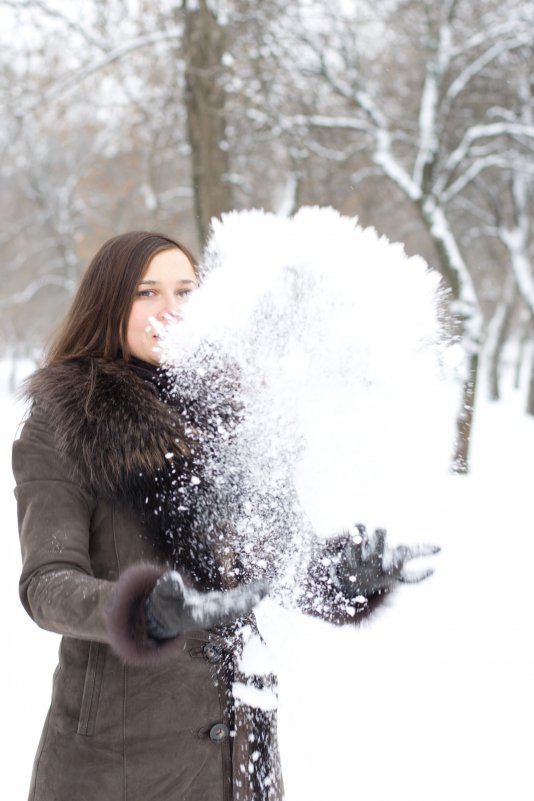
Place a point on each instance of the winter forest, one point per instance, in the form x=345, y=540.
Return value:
x=417, y=118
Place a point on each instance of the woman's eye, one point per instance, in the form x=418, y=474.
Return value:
x=149, y=293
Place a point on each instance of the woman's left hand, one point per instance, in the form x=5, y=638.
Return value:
x=364, y=565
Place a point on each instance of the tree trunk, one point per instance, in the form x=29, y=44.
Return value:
x=498, y=333
x=464, y=421
x=524, y=337
x=530, y=398
x=469, y=317
x=205, y=99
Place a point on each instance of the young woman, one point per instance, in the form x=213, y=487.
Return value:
x=116, y=561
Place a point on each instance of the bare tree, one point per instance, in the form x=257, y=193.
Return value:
x=167, y=114
x=506, y=221
x=205, y=101
x=429, y=120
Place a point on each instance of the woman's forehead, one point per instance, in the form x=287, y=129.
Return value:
x=170, y=266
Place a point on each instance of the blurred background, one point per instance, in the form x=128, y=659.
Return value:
x=414, y=115
x=417, y=116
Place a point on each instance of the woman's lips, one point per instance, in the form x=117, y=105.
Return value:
x=158, y=336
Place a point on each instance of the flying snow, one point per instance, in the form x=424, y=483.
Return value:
x=333, y=339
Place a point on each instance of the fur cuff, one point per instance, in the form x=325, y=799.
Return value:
x=125, y=617
x=333, y=607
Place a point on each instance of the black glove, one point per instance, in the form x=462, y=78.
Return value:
x=365, y=566
x=172, y=608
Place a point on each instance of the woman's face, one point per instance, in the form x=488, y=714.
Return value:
x=164, y=287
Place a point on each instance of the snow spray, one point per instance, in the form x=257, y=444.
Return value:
x=335, y=341
x=315, y=347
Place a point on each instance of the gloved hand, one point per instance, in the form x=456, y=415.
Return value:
x=172, y=608
x=364, y=565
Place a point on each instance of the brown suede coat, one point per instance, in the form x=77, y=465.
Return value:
x=130, y=719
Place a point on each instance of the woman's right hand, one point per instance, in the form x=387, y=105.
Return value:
x=173, y=608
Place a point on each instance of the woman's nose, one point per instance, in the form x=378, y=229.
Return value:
x=170, y=309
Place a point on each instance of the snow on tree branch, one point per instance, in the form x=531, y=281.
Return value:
x=466, y=305
x=384, y=158
x=472, y=135
x=435, y=71
x=32, y=289
x=54, y=13
x=114, y=55
x=474, y=69
x=516, y=240
x=324, y=121
x=473, y=171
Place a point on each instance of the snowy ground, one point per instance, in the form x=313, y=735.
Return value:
x=432, y=702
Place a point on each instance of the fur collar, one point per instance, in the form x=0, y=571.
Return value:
x=109, y=423
x=125, y=443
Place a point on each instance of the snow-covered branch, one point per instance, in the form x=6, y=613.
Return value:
x=516, y=240
x=32, y=289
x=520, y=265
x=472, y=135
x=54, y=13
x=466, y=301
x=109, y=58
x=427, y=124
x=473, y=171
x=497, y=31
x=477, y=65
x=435, y=71
x=324, y=121
x=383, y=155
x=384, y=158
x=330, y=153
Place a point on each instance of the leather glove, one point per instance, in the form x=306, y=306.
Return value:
x=365, y=565
x=172, y=608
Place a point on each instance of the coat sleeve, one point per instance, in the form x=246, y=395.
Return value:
x=57, y=586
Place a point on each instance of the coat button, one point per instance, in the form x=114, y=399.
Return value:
x=219, y=733
x=212, y=652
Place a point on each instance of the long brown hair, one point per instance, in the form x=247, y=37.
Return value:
x=96, y=322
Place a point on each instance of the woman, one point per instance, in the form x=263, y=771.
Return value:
x=145, y=703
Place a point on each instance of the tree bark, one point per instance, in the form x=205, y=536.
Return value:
x=524, y=336
x=530, y=398
x=205, y=99
x=468, y=315
x=464, y=421
x=498, y=333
